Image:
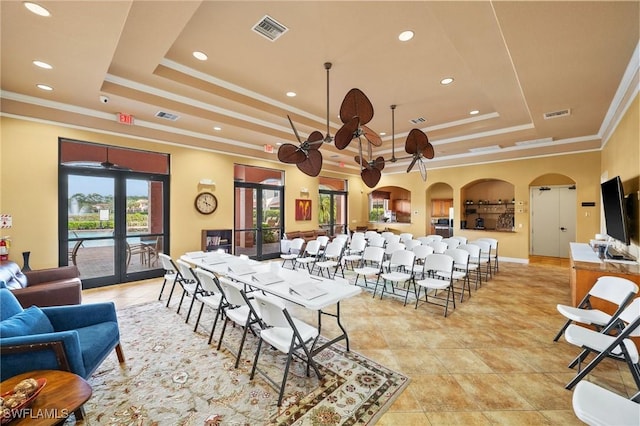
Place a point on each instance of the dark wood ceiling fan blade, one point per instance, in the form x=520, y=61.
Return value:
x=315, y=140
x=312, y=164
x=361, y=161
x=371, y=177
x=373, y=138
x=344, y=135
x=355, y=103
x=416, y=141
x=291, y=154
x=428, y=152
x=413, y=163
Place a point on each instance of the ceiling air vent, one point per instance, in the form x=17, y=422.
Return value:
x=557, y=114
x=486, y=148
x=270, y=28
x=167, y=115
x=418, y=120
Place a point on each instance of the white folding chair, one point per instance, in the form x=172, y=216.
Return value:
x=493, y=242
x=438, y=246
x=474, y=261
x=400, y=270
x=451, y=242
x=438, y=271
x=460, y=269
x=211, y=297
x=294, y=250
x=392, y=239
x=287, y=334
x=421, y=253
x=616, y=290
x=331, y=258
x=376, y=241
x=171, y=274
x=239, y=309
x=309, y=257
x=406, y=236
x=485, y=257
x=370, y=264
x=597, y=406
x=354, y=252
x=619, y=346
x=463, y=240
x=411, y=244
x=189, y=283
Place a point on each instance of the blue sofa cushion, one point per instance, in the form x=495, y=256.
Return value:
x=9, y=305
x=25, y=323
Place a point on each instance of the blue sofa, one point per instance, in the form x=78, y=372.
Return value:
x=75, y=338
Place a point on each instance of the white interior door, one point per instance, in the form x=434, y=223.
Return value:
x=553, y=216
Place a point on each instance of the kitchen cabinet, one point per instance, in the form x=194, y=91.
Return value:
x=440, y=207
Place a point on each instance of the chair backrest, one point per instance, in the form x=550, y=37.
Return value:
x=485, y=247
x=406, y=236
x=313, y=248
x=271, y=310
x=492, y=242
x=385, y=234
x=323, y=240
x=376, y=241
x=438, y=246
x=392, y=239
x=167, y=262
x=424, y=240
x=369, y=234
x=474, y=251
x=296, y=245
x=403, y=258
x=357, y=246
x=185, y=270
x=422, y=251
x=373, y=254
x=631, y=316
x=393, y=247
x=460, y=256
x=357, y=235
x=613, y=289
x=435, y=237
x=232, y=292
x=333, y=250
x=207, y=281
x=463, y=240
x=451, y=242
x=439, y=262
x=411, y=244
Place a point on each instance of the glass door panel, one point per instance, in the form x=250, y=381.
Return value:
x=258, y=220
x=90, y=225
x=144, y=224
x=271, y=223
x=245, y=221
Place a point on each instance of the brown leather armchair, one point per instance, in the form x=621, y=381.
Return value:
x=43, y=287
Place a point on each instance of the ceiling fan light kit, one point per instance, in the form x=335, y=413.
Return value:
x=356, y=111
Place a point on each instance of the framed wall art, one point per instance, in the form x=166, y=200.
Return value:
x=303, y=209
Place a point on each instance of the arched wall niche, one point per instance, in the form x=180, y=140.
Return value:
x=438, y=199
x=390, y=204
x=487, y=204
x=552, y=179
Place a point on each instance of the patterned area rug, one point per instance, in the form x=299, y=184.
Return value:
x=173, y=377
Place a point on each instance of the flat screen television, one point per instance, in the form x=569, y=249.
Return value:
x=615, y=215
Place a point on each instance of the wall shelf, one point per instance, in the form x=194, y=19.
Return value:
x=214, y=239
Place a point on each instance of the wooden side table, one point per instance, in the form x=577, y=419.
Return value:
x=64, y=393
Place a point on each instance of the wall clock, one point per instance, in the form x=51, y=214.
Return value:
x=206, y=203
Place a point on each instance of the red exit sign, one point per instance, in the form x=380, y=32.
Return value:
x=125, y=118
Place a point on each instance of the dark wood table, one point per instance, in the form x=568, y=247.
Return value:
x=64, y=393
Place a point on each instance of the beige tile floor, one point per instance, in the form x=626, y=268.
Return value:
x=491, y=361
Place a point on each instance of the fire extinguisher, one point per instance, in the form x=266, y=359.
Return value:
x=4, y=250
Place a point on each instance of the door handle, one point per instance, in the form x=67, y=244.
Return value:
x=563, y=229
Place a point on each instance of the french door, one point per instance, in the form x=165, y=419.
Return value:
x=259, y=220
x=332, y=211
x=113, y=224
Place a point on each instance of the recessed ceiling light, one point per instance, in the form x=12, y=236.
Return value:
x=200, y=55
x=446, y=81
x=474, y=112
x=44, y=87
x=383, y=133
x=36, y=8
x=405, y=35
x=217, y=128
x=41, y=64
x=291, y=94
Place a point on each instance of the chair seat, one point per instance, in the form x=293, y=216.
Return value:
x=212, y=300
x=280, y=337
x=598, y=406
x=396, y=276
x=290, y=256
x=584, y=316
x=366, y=270
x=352, y=257
x=581, y=336
x=190, y=288
x=238, y=315
x=96, y=342
x=327, y=264
x=434, y=283
x=457, y=275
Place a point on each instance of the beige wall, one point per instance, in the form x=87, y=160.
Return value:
x=621, y=156
x=28, y=186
